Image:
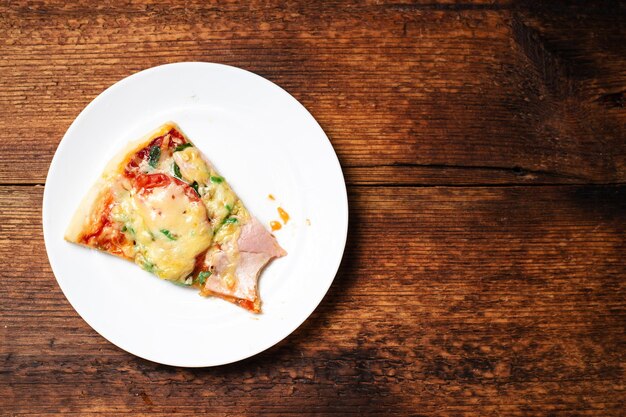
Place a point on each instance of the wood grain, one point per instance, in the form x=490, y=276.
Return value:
x=484, y=147
x=492, y=93
x=489, y=301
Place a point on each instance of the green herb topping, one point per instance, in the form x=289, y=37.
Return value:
x=168, y=234
x=202, y=276
x=176, y=170
x=183, y=146
x=194, y=185
x=155, y=154
x=148, y=266
x=128, y=229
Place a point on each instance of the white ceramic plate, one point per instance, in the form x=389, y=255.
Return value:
x=263, y=141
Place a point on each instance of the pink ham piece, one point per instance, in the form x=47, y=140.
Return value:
x=256, y=248
x=255, y=238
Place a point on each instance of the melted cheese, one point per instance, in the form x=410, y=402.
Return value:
x=217, y=196
x=192, y=166
x=220, y=202
x=168, y=229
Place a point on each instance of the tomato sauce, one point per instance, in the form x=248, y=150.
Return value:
x=283, y=215
x=105, y=235
x=247, y=304
x=144, y=183
x=275, y=225
x=167, y=143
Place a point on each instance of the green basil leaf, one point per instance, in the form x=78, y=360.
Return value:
x=176, y=170
x=217, y=180
x=194, y=185
x=155, y=154
x=183, y=146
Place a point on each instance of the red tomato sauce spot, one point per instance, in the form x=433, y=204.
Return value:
x=144, y=183
x=106, y=235
x=247, y=304
x=177, y=137
x=283, y=215
x=199, y=266
x=167, y=143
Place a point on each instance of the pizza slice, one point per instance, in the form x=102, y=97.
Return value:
x=161, y=204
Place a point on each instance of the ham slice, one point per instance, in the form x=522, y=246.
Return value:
x=254, y=248
x=255, y=238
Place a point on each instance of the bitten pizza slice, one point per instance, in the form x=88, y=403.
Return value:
x=161, y=204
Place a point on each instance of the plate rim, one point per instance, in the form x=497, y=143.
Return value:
x=344, y=207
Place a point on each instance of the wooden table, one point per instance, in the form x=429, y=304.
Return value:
x=484, y=148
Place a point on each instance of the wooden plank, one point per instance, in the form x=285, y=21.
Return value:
x=474, y=301
x=471, y=93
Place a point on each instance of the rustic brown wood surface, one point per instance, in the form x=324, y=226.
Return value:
x=485, y=139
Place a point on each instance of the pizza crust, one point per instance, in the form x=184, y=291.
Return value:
x=82, y=217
